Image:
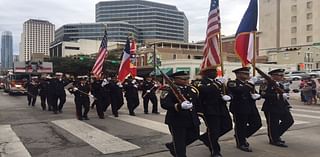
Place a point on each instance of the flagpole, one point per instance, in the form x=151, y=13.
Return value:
x=221, y=55
x=254, y=52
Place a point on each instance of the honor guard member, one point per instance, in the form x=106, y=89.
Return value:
x=149, y=88
x=181, y=118
x=276, y=109
x=81, y=92
x=243, y=107
x=131, y=93
x=97, y=92
x=213, y=100
x=116, y=96
x=32, y=89
x=59, y=93
x=43, y=92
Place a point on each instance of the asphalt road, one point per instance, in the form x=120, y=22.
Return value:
x=29, y=131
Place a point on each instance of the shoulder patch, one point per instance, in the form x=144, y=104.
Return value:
x=164, y=94
x=232, y=84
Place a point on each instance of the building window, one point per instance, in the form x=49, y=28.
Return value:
x=293, y=29
x=189, y=57
x=309, y=16
x=309, y=27
x=294, y=8
x=293, y=40
x=286, y=55
x=174, y=56
x=309, y=5
x=293, y=19
x=309, y=39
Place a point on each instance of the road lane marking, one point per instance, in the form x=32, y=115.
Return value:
x=150, y=124
x=102, y=141
x=10, y=144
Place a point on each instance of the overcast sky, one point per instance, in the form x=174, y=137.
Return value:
x=59, y=12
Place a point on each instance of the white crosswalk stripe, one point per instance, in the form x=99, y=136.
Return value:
x=10, y=144
x=102, y=141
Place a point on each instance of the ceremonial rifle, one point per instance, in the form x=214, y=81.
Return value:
x=271, y=81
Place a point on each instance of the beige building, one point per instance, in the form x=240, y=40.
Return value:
x=286, y=23
x=304, y=58
x=36, y=38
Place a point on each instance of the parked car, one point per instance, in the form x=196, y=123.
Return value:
x=296, y=75
x=314, y=73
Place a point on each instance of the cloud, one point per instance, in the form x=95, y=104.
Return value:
x=13, y=13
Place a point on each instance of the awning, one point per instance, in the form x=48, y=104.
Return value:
x=167, y=71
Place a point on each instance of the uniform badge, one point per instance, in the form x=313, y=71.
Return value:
x=263, y=87
x=232, y=84
x=164, y=94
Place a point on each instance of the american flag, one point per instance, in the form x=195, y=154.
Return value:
x=211, y=53
x=103, y=53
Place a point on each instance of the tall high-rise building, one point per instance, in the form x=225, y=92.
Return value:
x=154, y=21
x=36, y=38
x=288, y=23
x=6, y=50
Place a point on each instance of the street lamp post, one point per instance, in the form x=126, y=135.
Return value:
x=154, y=60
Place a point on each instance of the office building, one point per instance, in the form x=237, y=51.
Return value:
x=6, y=50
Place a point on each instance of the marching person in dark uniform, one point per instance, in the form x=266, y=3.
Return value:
x=59, y=93
x=243, y=107
x=32, y=89
x=81, y=91
x=213, y=100
x=97, y=92
x=149, y=88
x=116, y=96
x=131, y=93
x=43, y=93
x=276, y=109
x=181, y=118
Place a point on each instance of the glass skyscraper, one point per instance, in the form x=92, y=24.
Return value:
x=6, y=50
x=154, y=21
x=117, y=31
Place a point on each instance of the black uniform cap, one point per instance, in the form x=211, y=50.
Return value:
x=245, y=70
x=180, y=74
x=276, y=72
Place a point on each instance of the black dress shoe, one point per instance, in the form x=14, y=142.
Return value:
x=205, y=142
x=132, y=114
x=116, y=115
x=171, y=148
x=279, y=144
x=146, y=113
x=86, y=118
x=245, y=148
x=281, y=140
x=156, y=112
x=80, y=119
x=102, y=117
x=60, y=111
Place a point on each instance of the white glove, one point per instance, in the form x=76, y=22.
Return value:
x=148, y=91
x=253, y=80
x=105, y=82
x=75, y=89
x=135, y=86
x=186, y=105
x=226, y=98
x=133, y=81
x=222, y=79
x=255, y=96
x=156, y=85
x=286, y=95
x=120, y=85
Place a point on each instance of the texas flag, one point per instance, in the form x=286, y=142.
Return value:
x=244, y=44
x=128, y=65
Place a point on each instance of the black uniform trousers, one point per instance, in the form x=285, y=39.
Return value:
x=62, y=100
x=132, y=104
x=245, y=126
x=43, y=102
x=182, y=137
x=32, y=99
x=217, y=126
x=278, y=123
x=100, y=105
x=86, y=105
x=153, y=98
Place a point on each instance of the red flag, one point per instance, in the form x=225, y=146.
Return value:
x=124, y=69
x=133, y=60
x=103, y=53
x=211, y=53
